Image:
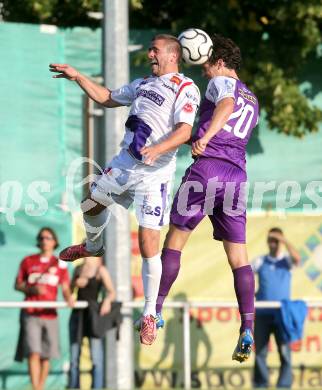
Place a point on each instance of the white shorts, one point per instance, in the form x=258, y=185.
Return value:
x=126, y=180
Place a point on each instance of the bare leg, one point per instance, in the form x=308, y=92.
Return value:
x=34, y=369
x=176, y=238
x=43, y=373
x=91, y=207
x=149, y=241
x=236, y=254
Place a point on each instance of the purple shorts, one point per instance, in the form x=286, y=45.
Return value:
x=215, y=188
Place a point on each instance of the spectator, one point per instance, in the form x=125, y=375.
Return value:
x=90, y=278
x=274, y=284
x=38, y=278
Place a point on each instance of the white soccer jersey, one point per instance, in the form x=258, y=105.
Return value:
x=157, y=105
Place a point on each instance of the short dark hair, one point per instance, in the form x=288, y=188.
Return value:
x=227, y=50
x=275, y=230
x=51, y=231
x=174, y=44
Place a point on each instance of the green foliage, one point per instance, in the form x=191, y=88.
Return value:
x=288, y=110
x=277, y=37
x=64, y=13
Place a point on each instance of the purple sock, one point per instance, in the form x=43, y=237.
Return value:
x=244, y=284
x=170, y=268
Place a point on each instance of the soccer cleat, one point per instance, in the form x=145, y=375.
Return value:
x=244, y=346
x=159, y=320
x=148, y=331
x=75, y=252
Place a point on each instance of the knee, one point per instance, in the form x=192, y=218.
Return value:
x=237, y=263
x=236, y=254
x=285, y=354
x=34, y=356
x=89, y=206
x=176, y=238
x=97, y=356
x=74, y=355
x=96, y=361
x=261, y=353
x=237, y=259
x=171, y=242
x=74, y=361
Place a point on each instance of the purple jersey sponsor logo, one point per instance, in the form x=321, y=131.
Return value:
x=151, y=95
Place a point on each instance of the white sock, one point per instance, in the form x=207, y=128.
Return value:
x=94, y=225
x=151, y=276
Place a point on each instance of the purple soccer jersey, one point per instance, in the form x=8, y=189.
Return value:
x=230, y=142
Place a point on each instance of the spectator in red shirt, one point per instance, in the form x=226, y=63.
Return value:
x=38, y=278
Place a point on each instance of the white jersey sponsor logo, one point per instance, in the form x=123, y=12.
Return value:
x=48, y=279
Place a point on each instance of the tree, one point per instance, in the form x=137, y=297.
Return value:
x=63, y=13
x=277, y=38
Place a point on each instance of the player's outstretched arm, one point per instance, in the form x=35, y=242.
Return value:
x=98, y=93
x=221, y=115
x=178, y=137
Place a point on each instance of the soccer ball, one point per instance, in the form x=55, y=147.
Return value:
x=196, y=46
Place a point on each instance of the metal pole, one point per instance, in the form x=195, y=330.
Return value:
x=186, y=347
x=119, y=353
x=88, y=138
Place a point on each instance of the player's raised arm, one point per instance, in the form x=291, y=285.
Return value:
x=98, y=93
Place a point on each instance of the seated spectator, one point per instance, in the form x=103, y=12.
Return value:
x=274, y=284
x=38, y=278
x=90, y=278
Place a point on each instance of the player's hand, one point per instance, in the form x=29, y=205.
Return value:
x=105, y=307
x=150, y=154
x=64, y=71
x=199, y=146
x=71, y=301
x=277, y=236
